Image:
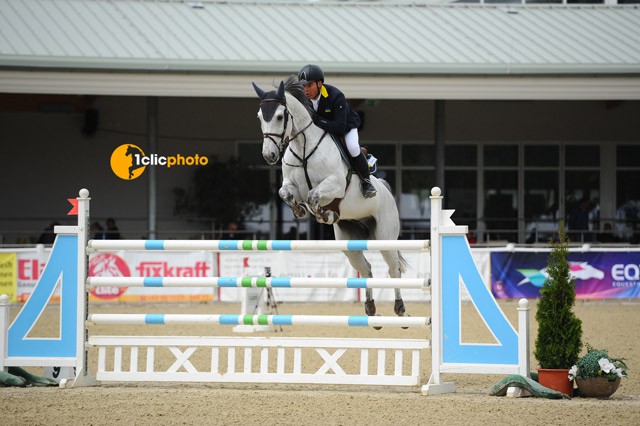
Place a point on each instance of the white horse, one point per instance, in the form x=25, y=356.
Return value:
x=316, y=179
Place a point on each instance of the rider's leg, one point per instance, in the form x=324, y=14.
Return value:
x=359, y=162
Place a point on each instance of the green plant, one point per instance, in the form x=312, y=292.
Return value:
x=598, y=363
x=559, y=338
x=223, y=192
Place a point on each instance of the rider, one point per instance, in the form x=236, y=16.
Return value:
x=334, y=115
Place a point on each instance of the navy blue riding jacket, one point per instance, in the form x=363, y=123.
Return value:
x=334, y=114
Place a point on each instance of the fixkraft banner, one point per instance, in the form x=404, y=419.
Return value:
x=598, y=275
x=30, y=264
x=152, y=264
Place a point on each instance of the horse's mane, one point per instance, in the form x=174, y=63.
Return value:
x=293, y=86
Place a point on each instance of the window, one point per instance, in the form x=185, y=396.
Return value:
x=582, y=191
x=540, y=204
x=501, y=155
x=417, y=179
x=501, y=204
x=541, y=155
x=627, y=216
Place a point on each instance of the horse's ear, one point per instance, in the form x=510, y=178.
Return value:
x=258, y=90
x=281, y=90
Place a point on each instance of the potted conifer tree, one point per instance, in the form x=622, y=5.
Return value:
x=559, y=339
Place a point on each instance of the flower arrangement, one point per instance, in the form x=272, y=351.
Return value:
x=598, y=363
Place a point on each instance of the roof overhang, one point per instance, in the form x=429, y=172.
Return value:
x=234, y=85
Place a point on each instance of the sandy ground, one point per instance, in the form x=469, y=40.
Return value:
x=611, y=325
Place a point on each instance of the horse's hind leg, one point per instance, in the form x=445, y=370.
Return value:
x=362, y=265
x=348, y=230
x=395, y=262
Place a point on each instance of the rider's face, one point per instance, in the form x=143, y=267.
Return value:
x=311, y=89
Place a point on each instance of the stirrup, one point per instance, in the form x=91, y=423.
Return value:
x=368, y=191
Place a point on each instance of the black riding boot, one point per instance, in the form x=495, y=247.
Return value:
x=361, y=166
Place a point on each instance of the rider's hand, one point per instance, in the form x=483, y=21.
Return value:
x=320, y=121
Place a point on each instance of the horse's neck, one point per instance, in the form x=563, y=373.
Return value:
x=312, y=143
x=299, y=113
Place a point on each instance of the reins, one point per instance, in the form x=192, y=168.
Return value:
x=304, y=159
x=284, y=143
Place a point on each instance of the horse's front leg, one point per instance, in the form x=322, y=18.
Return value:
x=291, y=196
x=324, y=193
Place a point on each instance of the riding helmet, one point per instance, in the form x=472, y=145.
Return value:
x=310, y=72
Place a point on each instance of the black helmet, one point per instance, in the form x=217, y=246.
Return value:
x=309, y=73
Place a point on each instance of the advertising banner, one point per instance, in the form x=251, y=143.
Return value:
x=598, y=275
x=30, y=266
x=8, y=276
x=152, y=264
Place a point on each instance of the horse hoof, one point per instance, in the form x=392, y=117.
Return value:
x=299, y=211
x=399, y=308
x=370, y=307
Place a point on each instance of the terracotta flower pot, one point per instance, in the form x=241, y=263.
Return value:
x=556, y=379
x=598, y=387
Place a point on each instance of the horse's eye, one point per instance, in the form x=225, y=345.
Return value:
x=279, y=118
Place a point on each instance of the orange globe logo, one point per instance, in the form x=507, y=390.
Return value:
x=125, y=161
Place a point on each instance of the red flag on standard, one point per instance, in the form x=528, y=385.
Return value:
x=74, y=209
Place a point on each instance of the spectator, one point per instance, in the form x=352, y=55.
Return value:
x=112, y=232
x=48, y=236
x=232, y=232
x=97, y=231
x=579, y=221
x=471, y=238
x=607, y=234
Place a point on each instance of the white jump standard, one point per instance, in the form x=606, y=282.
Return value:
x=137, y=358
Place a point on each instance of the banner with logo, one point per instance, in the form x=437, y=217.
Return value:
x=598, y=275
x=30, y=264
x=8, y=282
x=152, y=264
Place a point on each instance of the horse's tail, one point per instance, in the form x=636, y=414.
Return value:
x=401, y=260
x=386, y=184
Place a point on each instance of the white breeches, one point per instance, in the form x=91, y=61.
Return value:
x=351, y=139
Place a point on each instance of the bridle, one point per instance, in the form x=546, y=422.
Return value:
x=283, y=142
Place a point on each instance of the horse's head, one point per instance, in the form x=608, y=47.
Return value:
x=274, y=121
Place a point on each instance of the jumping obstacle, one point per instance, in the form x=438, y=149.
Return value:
x=120, y=357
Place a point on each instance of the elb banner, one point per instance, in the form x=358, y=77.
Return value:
x=598, y=275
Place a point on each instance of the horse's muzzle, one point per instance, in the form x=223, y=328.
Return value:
x=271, y=158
